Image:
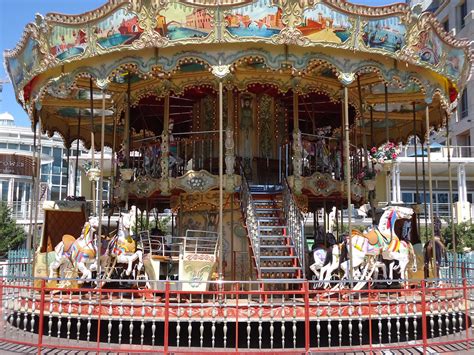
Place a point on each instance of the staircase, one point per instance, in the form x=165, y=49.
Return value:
x=278, y=259
x=275, y=249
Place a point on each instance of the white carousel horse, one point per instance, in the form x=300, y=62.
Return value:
x=384, y=241
x=126, y=250
x=81, y=252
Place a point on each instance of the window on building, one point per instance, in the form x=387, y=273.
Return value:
x=462, y=14
x=407, y=197
x=3, y=145
x=4, y=191
x=446, y=25
x=25, y=147
x=464, y=104
x=13, y=146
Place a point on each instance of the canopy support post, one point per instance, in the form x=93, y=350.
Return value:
x=94, y=197
x=417, y=197
x=348, y=175
x=101, y=186
x=430, y=186
x=450, y=197
x=29, y=240
x=221, y=181
x=76, y=169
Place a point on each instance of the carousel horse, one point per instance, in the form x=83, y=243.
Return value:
x=126, y=250
x=381, y=240
x=81, y=252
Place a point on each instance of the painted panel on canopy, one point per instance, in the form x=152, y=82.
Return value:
x=67, y=42
x=323, y=24
x=178, y=22
x=429, y=47
x=454, y=62
x=25, y=62
x=120, y=28
x=260, y=19
x=387, y=34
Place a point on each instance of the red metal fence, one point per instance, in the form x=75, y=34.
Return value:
x=236, y=317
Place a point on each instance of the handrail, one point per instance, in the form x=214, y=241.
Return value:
x=295, y=223
x=251, y=220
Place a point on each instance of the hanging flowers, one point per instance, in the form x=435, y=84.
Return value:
x=366, y=174
x=387, y=152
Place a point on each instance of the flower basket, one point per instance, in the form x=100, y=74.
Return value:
x=385, y=154
x=93, y=174
x=126, y=174
x=370, y=184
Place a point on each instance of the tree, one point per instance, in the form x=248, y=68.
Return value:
x=464, y=234
x=11, y=235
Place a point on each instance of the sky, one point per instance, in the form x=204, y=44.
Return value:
x=15, y=14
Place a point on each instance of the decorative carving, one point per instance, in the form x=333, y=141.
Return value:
x=144, y=186
x=196, y=181
x=322, y=184
x=229, y=151
x=297, y=162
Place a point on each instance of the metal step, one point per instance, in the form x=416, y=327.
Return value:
x=268, y=246
x=279, y=268
x=277, y=257
x=273, y=236
x=272, y=227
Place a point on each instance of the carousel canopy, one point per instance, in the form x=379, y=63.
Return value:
x=73, y=70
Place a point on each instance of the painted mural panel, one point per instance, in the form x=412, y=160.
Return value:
x=257, y=20
x=25, y=62
x=429, y=48
x=184, y=22
x=387, y=34
x=67, y=42
x=119, y=28
x=455, y=62
x=321, y=23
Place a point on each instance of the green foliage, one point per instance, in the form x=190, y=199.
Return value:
x=464, y=235
x=11, y=235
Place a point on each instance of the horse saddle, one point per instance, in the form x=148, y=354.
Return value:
x=129, y=246
x=68, y=241
x=372, y=237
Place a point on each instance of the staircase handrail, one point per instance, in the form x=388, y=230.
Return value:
x=251, y=220
x=295, y=223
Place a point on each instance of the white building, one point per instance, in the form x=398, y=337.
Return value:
x=457, y=17
x=57, y=179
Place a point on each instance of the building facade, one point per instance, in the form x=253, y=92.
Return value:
x=57, y=177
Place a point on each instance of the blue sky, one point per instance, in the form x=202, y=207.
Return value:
x=15, y=14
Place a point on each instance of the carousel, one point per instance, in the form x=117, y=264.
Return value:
x=247, y=120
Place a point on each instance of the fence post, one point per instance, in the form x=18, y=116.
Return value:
x=167, y=316
x=237, y=319
x=41, y=316
x=370, y=317
x=1, y=293
x=466, y=311
x=424, y=330
x=306, y=316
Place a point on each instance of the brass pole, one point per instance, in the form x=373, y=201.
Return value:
x=364, y=137
x=76, y=169
x=417, y=197
x=221, y=182
x=29, y=240
x=430, y=185
x=450, y=197
x=348, y=175
x=94, y=197
x=101, y=183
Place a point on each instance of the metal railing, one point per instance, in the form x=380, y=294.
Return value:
x=295, y=225
x=408, y=151
x=251, y=220
x=228, y=317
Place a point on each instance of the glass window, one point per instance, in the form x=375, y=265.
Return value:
x=463, y=14
x=46, y=150
x=12, y=146
x=407, y=197
x=3, y=145
x=56, y=179
x=45, y=178
x=442, y=197
x=55, y=193
x=25, y=147
x=4, y=190
x=469, y=198
x=446, y=25
x=464, y=104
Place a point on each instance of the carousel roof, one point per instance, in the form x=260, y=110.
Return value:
x=393, y=60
